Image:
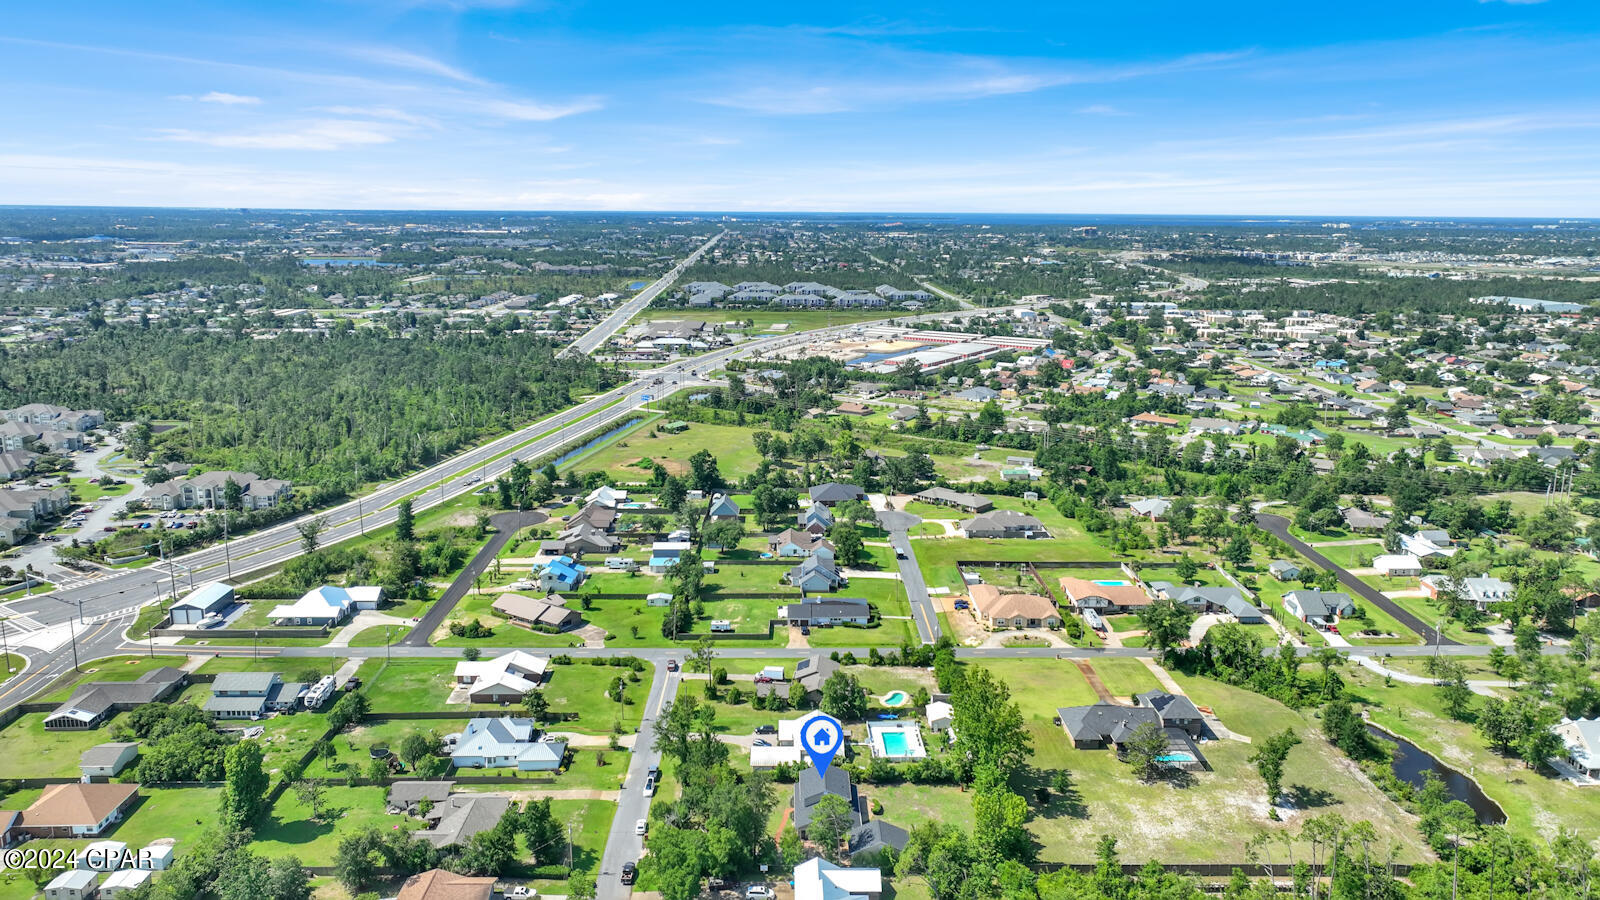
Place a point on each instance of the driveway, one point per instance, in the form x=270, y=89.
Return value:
x=506, y=525
x=923, y=612
x=1278, y=526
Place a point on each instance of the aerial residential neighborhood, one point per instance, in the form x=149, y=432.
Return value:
x=496, y=450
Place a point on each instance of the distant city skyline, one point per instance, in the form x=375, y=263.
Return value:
x=1445, y=108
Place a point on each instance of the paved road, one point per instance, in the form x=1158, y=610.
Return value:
x=1279, y=527
x=623, y=845
x=506, y=526
x=923, y=611
x=596, y=337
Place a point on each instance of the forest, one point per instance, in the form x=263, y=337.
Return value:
x=332, y=411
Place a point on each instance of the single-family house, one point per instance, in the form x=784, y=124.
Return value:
x=833, y=493
x=1482, y=591
x=505, y=742
x=665, y=554
x=818, y=879
x=454, y=822
x=1428, y=543
x=1103, y=597
x=1284, y=570
x=723, y=509
x=73, y=884
x=1398, y=565
x=1581, y=739
x=327, y=605
x=607, y=496
x=812, y=672
x=96, y=701
x=826, y=612
x=440, y=884
x=816, y=575
x=941, y=716
x=1176, y=710
x=816, y=519
x=1152, y=508
x=792, y=542
x=1001, y=611
x=503, y=679
x=1003, y=523
x=561, y=574
x=1307, y=604
x=77, y=809
x=972, y=503
x=248, y=695
x=1357, y=519
x=526, y=612
x=1106, y=725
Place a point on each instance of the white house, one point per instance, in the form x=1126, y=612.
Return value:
x=1581, y=737
x=1398, y=565
x=1424, y=544
x=326, y=605
x=124, y=880
x=941, y=716
x=606, y=496
x=818, y=879
x=503, y=679
x=72, y=884
x=505, y=742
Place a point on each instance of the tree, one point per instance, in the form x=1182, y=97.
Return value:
x=416, y=747
x=545, y=836
x=1143, y=751
x=791, y=849
x=347, y=711
x=311, y=533
x=244, y=791
x=831, y=820
x=405, y=521
x=1269, y=759
x=843, y=697
x=1329, y=659
x=1237, y=550
x=1453, y=689
x=580, y=886
x=999, y=818
x=990, y=729
x=309, y=792
x=725, y=534
x=1187, y=569
x=1166, y=624
x=703, y=474
x=702, y=656
x=847, y=543
x=536, y=705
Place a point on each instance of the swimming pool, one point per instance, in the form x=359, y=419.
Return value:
x=895, y=698
x=1112, y=583
x=1176, y=757
x=896, y=740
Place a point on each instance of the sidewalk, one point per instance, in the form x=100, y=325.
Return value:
x=1485, y=688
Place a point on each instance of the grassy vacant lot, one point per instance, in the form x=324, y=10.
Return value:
x=1536, y=805
x=735, y=453
x=87, y=490
x=288, y=830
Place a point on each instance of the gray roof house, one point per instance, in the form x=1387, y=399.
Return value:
x=461, y=816
x=1284, y=570
x=833, y=493
x=94, y=702
x=1308, y=604
x=832, y=611
x=1004, y=523
x=816, y=575
x=813, y=671
x=810, y=788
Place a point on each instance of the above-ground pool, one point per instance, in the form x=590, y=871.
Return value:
x=895, y=698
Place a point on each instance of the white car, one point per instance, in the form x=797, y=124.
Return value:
x=759, y=892
x=641, y=826
x=520, y=892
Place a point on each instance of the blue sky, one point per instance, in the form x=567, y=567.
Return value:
x=1408, y=107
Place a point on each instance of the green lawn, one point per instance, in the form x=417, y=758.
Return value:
x=619, y=460
x=1125, y=677
x=415, y=685
x=113, y=668
x=1041, y=686
x=87, y=490
x=32, y=752
x=1432, y=614
x=288, y=830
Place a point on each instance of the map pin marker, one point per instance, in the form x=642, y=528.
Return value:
x=821, y=736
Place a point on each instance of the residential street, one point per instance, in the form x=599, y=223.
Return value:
x=1278, y=526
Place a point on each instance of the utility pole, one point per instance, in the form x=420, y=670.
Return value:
x=5, y=649
x=226, y=554
x=72, y=631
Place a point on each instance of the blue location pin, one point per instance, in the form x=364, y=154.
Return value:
x=821, y=736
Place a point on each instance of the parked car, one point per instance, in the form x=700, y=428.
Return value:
x=649, y=787
x=641, y=826
x=759, y=892
x=211, y=620
x=899, y=554
x=805, y=629
x=766, y=729
x=522, y=892
x=629, y=872
x=760, y=743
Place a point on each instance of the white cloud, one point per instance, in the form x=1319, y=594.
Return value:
x=899, y=78
x=415, y=62
x=528, y=111
x=315, y=134
x=227, y=99
x=1101, y=109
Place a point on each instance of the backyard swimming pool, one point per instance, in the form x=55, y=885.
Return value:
x=1176, y=758
x=895, y=698
x=896, y=740
x=1112, y=583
